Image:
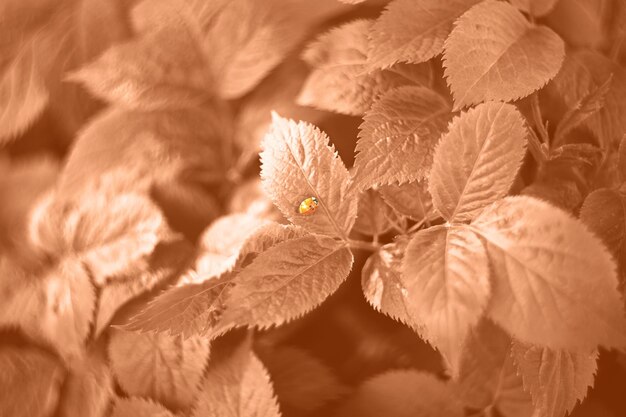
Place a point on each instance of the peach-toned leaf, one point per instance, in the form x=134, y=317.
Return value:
x=505, y=57
x=556, y=379
x=411, y=199
x=476, y=162
x=340, y=81
x=239, y=385
x=554, y=284
x=398, y=136
x=287, y=280
x=167, y=369
x=139, y=407
x=488, y=377
x=535, y=7
x=445, y=272
x=298, y=163
x=30, y=382
x=374, y=216
x=412, y=31
x=604, y=212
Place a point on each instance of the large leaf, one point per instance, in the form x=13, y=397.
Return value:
x=287, y=280
x=167, y=369
x=340, y=81
x=554, y=284
x=604, y=212
x=298, y=163
x=239, y=385
x=446, y=275
x=139, y=407
x=556, y=379
x=505, y=57
x=411, y=31
x=398, y=136
x=476, y=162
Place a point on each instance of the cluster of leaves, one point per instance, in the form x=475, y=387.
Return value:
x=154, y=273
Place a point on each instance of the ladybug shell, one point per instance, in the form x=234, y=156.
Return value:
x=308, y=206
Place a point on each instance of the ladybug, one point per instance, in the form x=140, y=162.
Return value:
x=308, y=206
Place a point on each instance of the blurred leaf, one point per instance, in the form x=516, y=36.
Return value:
x=139, y=407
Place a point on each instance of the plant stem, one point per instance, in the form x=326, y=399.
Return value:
x=360, y=244
x=538, y=119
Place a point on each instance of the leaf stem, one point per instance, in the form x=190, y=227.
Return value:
x=360, y=244
x=538, y=119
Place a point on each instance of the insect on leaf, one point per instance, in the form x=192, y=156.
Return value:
x=412, y=31
x=494, y=53
x=554, y=284
x=446, y=275
x=298, y=163
x=398, y=136
x=476, y=162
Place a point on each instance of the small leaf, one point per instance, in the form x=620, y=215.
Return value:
x=476, y=162
x=446, y=275
x=488, y=377
x=374, y=217
x=411, y=199
x=161, y=70
x=398, y=136
x=503, y=58
x=553, y=282
x=139, y=407
x=536, y=8
x=168, y=369
x=239, y=385
x=413, y=32
x=30, y=382
x=402, y=393
x=604, y=212
x=287, y=280
x=297, y=163
x=556, y=379
x=340, y=81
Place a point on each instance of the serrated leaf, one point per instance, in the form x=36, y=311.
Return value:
x=411, y=199
x=556, y=379
x=504, y=58
x=57, y=306
x=374, y=216
x=30, y=382
x=490, y=140
x=535, y=7
x=237, y=386
x=164, y=69
x=298, y=163
x=553, y=282
x=287, y=280
x=446, y=275
x=383, y=286
x=413, y=32
x=340, y=81
x=488, y=376
x=398, y=136
x=139, y=407
x=167, y=369
x=393, y=393
x=604, y=212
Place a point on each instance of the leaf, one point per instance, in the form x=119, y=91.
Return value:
x=553, y=282
x=340, y=81
x=287, y=280
x=56, y=306
x=413, y=32
x=536, y=8
x=374, y=216
x=383, y=286
x=167, y=369
x=139, y=407
x=446, y=275
x=556, y=379
x=298, y=163
x=402, y=393
x=237, y=386
x=302, y=382
x=410, y=199
x=621, y=160
x=88, y=389
x=604, y=212
x=581, y=23
x=398, y=136
x=476, y=162
x=503, y=58
x=164, y=69
x=488, y=377
x=30, y=382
